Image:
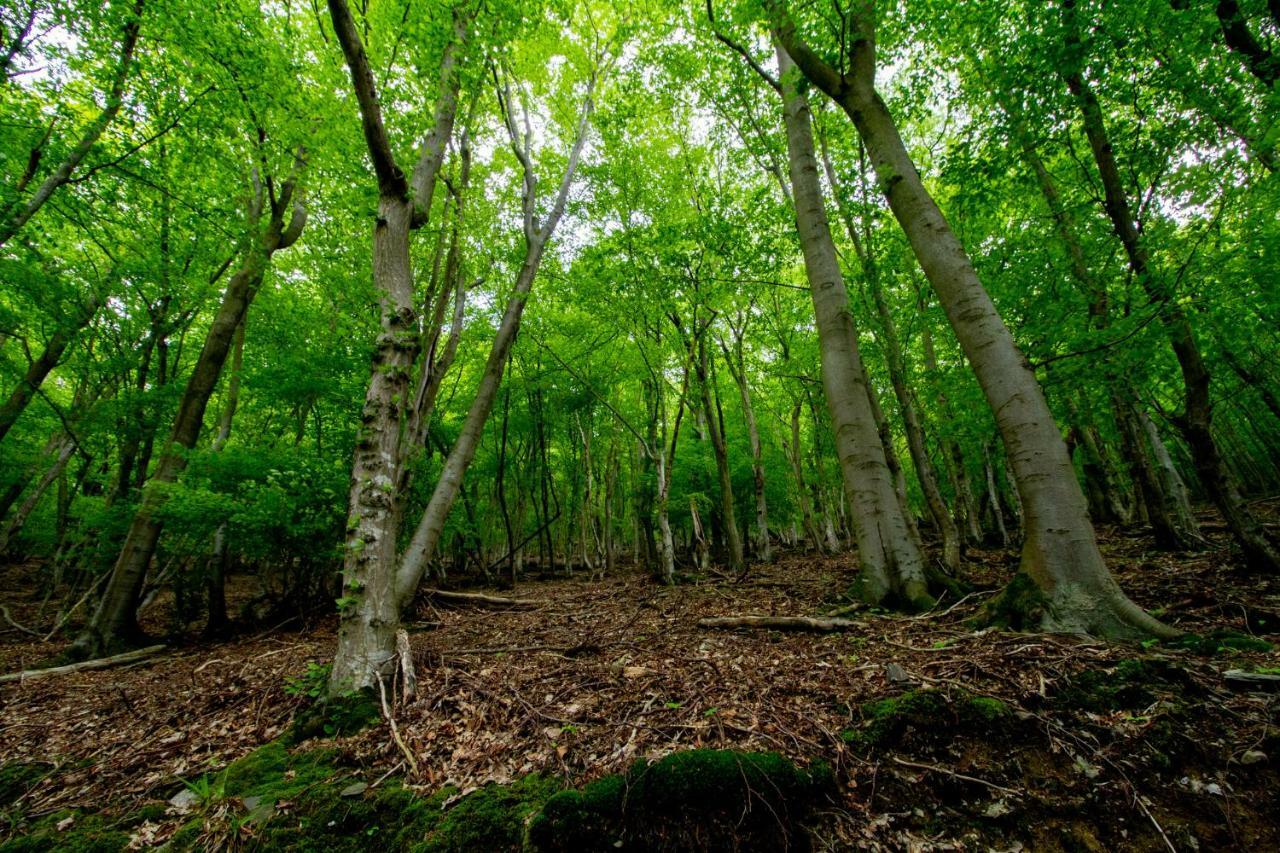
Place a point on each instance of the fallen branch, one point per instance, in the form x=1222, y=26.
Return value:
x=1243, y=680
x=395, y=730
x=915, y=765
x=780, y=623
x=476, y=599
x=23, y=628
x=97, y=663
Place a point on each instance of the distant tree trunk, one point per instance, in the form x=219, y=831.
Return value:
x=715, y=429
x=737, y=367
x=811, y=534
x=1060, y=555
x=114, y=623
x=1196, y=422
x=55, y=471
x=217, y=624
x=891, y=562
x=25, y=391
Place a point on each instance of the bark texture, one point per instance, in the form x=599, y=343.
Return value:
x=891, y=563
x=1060, y=556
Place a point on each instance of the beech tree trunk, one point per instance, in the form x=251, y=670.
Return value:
x=912, y=420
x=891, y=562
x=738, y=369
x=715, y=429
x=1196, y=421
x=1073, y=590
x=25, y=391
x=114, y=623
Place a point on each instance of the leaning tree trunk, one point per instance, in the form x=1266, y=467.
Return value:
x=30, y=383
x=1196, y=422
x=891, y=562
x=1072, y=590
x=114, y=623
x=926, y=473
x=19, y=520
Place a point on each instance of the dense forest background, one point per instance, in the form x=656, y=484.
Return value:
x=315, y=309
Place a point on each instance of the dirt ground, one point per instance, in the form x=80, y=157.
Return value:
x=1091, y=745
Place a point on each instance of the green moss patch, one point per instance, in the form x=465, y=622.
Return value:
x=1220, y=641
x=335, y=716
x=1019, y=607
x=19, y=777
x=698, y=800
x=76, y=832
x=1129, y=685
x=925, y=717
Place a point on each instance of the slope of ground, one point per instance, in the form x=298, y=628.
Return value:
x=940, y=736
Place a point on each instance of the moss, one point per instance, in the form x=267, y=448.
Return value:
x=335, y=717
x=1219, y=641
x=492, y=818
x=86, y=833
x=693, y=800
x=1129, y=685
x=930, y=714
x=19, y=777
x=1019, y=607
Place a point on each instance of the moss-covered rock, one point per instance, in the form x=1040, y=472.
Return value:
x=926, y=715
x=698, y=800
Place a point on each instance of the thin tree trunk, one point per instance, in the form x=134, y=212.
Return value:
x=1196, y=422
x=25, y=391
x=55, y=471
x=738, y=369
x=114, y=623
x=18, y=213
x=715, y=429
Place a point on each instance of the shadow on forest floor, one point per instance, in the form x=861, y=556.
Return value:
x=974, y=740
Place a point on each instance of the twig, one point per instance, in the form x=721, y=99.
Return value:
x=395, y=731
x=23, y=628
x=936, y=769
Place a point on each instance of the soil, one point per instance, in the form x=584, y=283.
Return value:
x=941, y=735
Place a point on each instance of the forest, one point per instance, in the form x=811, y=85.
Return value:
x=567, y=425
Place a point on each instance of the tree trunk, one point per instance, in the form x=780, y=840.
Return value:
x=19, y=520
x=811, y=534
x=891, y=562
x=1060, y=557
x=912, y=421
x=738, y=369
x=1196, y=422
x=114, y=623
x=715, y=428
x=25, y=391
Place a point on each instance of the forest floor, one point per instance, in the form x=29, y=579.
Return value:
x=1088, y=746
